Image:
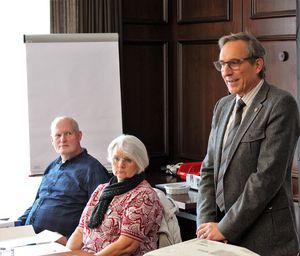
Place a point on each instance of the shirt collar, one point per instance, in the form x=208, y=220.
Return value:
x=248, y=97
x=83, y=152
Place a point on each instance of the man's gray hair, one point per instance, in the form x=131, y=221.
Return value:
x=131, y=146
x=255, y=48
x=75, y=125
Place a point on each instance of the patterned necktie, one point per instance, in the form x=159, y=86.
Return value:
x=232, y=131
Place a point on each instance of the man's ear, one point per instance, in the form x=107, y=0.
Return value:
x=259, y=64
x=51, y=138
x=79, y=135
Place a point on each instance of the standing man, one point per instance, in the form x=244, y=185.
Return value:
x=67, y=184
x=245, y=194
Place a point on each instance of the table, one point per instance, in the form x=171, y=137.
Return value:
x=71, y=253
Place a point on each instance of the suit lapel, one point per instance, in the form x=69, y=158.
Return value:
x=251, y=114
x=224, y=117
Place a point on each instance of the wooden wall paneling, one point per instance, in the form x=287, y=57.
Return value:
x=207, y=19
x=274, y=8
x=269, y=18
x=138, y=24
x=142, y=32
x=199, y=87
x=282, y=73
x=145, y=11
x=281, y=59
x=195, y=11
x=197, y=25
x=146, y=83
x=145, y=94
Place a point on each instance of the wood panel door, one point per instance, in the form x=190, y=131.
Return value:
x=197, y=26
x=145, y=81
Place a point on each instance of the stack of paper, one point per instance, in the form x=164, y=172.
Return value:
x=39, y=249
x=23, y=241
x=201, y=247
x=6, y=223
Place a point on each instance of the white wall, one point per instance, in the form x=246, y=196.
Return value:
x=17, y=18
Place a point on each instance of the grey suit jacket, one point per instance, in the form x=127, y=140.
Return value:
x=257, y=182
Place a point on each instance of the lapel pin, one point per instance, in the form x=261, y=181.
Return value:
x=255, y=109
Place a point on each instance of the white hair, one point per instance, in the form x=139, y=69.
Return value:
x=133, y=147
x=56, y=120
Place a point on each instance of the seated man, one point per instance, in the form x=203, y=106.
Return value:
x=67, y=184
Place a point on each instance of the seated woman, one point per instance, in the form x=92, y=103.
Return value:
x=123, y=216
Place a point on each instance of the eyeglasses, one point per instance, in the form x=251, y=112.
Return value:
x=233, y=64
x=124, y=160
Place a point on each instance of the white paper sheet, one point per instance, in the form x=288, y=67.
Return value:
x=201, y=247
x=40, y=249
x=16, y=232
x=25, y=236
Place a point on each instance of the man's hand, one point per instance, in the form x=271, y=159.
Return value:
x=209, y=231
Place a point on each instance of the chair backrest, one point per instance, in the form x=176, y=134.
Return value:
x=169, y=232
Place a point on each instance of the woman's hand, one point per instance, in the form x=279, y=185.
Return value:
x=75, y=240
x=123, y=246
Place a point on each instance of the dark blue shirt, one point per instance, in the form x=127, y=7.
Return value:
x=64, y=192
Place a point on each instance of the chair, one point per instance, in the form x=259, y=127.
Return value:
x=169, y=232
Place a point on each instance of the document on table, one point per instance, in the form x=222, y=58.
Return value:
x=40, y=249
x=7, y=223
x=11, y=233
x=23, y=241
x=201, y=247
